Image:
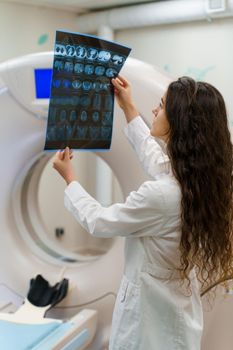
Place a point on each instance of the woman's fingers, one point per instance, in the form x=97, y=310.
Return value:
x=58, y=155
x=64, y=154
x=117, y=84
x=120, y=83
x=124, y=81
x=56, y=159
x=67, y=153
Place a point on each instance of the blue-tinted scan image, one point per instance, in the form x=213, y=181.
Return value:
x=82, y=96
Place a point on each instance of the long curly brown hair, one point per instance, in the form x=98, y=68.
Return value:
x=200, y=150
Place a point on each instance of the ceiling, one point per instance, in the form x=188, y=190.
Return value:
x=80, y=6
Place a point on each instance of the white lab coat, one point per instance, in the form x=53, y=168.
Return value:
x=152, y=311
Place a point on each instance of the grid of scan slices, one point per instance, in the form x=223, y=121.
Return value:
x=81, y=104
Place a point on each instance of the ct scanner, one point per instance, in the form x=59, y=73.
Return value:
x=26, y=250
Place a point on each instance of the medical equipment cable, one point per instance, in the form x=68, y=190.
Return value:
x=70, y=306
x=89, y=302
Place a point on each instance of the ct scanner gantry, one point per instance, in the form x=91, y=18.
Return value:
x=25, y=250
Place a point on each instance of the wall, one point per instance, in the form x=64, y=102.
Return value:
x=203, y=50
x=28, y=29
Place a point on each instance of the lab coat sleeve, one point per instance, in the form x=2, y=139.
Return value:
x=140, y=215
x=151, y=155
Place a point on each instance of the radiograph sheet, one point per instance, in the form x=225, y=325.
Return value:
x=82, y=96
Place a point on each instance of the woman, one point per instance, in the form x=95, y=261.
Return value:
x=178, y=226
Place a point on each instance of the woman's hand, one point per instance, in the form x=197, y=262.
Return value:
x=123, y=95
x=62, y=163
x=122, y=91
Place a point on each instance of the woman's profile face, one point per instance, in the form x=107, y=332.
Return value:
x=160, y=126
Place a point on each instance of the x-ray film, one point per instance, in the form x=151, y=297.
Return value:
x=82, y=96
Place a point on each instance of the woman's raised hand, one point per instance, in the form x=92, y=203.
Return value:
x=123, y=95
x=62, y=163
x=122, y=91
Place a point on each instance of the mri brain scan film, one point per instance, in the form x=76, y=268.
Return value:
x=82, y=97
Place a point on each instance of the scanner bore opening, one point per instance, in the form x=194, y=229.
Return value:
x=36, y=200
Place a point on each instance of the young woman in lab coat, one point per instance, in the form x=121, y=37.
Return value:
x=178, y=226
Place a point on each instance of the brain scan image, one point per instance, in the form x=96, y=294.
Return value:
x=60, y=50
x=97, y=86
x=73, y=115
x=76, y=84
x=89, y=69
x=68, y=67
x=110, y=73
x=96, y=101
x=107, y=118
x=66, y=84
x=99, y=70
x=58, y=65
x=118, y=60
x=78, y=68
x=62, y=115
x=69, y=131
x=82, y=132
x=87, y=85
x=95, y=116
x=51, y=133
x=60, y=132
x=105, y=86
x=70, y=50
x=56, y=83
x=83, y=116
x=80, y=52
x=85, y=100
x=108, y=102
x=94, y=132
x=92, y=53
x=106, y=132
x=104, y=56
